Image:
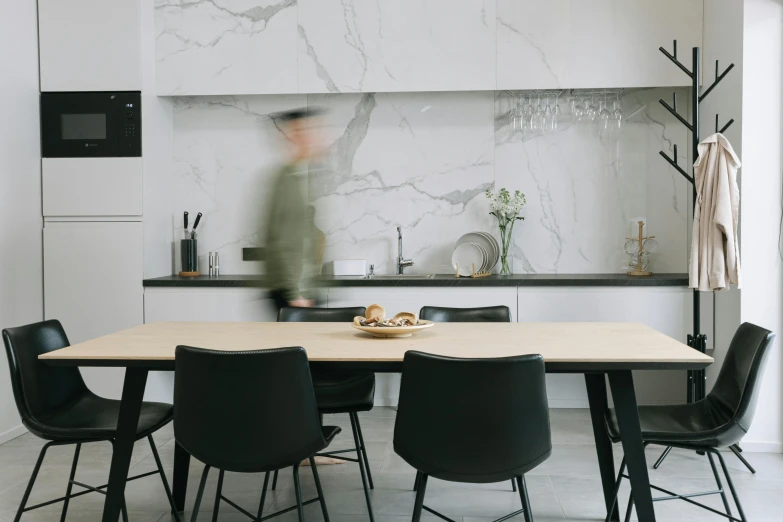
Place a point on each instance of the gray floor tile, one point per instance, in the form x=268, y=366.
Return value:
x=565, y=488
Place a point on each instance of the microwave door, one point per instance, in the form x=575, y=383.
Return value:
x=78, y=125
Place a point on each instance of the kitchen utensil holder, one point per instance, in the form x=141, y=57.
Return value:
x=189, y=256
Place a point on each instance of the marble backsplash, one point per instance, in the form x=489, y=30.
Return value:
x=423, y=161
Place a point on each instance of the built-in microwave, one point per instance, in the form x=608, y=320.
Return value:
x=90, y=124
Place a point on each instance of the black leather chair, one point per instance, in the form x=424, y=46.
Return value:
x=720, y=420
x=472, y=420
x=248, y=412
x=56, y=405
x=339, y=391
x=487, y=314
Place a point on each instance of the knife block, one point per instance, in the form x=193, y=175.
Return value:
x=188, y=249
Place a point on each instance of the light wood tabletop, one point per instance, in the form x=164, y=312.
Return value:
x=609, y=345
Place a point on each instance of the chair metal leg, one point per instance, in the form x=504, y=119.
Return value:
x=419, y=504
x=617, y=484
x=29, y=489
x=720, y=484
x=163, y=479
x=319, y=490
x=218, y=495
x=71, y=478
x=662, y=457
x=363, y=473
x=274, y=480
x=124, y=510
x=513, y=485
x=263, y=496
x=630, y=508
x=523, y=496
x=417, y=481
x=197, y=503
x=731, y=486
x=363, y=453
x=298, y=490
x=737, y=450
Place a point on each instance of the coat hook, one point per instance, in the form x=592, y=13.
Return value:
x=673, y=58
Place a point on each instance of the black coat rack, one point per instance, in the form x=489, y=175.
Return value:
x=696, y=378
x=696, y=340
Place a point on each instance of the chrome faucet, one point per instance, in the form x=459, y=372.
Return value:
x=401, y=262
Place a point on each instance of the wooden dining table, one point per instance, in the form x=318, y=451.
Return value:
x=597, y=350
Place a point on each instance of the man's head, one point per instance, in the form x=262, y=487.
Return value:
x=301, y=129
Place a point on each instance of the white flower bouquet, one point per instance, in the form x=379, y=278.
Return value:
x=506, y=208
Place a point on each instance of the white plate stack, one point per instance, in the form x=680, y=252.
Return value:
x=475, y=252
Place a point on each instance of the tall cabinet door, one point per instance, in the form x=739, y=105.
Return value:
x=89, y=45
x=92, y=277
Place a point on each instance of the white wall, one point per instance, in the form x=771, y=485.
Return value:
x=723, y=41
x=21, y=292
x=762, y=291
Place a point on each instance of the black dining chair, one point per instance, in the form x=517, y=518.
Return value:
x=340, y=391
x=486, y=314
x=472, y=420
x=720, y=420
x=248, y=412
x=56, y=405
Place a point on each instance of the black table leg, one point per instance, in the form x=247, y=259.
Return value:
x=128, y=421
x=181, y=468
x=596, y=395
x=627, y=412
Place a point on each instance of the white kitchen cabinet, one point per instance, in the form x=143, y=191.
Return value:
x=562, y=44
x=411, y=299
x=313, y=46
x=200, y=304
x=92, y=187
x=90, y=46
x=92, y=284
x=667, y=310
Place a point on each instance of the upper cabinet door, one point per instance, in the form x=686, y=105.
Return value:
x=225, y=47
x=89, y=45
x=400, y=45
x=559, y=44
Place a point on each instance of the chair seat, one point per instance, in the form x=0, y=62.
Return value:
x=343, y=391
x=330, y=432
x=93, y=417
x=697, y=424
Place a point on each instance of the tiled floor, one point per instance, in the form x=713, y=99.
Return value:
x=564, y=488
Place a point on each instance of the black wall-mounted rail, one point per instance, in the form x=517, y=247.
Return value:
x=697, y=340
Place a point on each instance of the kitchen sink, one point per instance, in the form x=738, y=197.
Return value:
x=403, y=276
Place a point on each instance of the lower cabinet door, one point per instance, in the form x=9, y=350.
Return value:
x=93, y=275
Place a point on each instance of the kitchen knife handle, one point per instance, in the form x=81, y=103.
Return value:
x=186, y=220
x=198, y=218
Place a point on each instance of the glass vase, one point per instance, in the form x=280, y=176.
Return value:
x=506, y=263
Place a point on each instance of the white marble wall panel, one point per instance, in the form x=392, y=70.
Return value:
x=422, y=161
x=585, y=193
x=224, y=151
x=225, y=46
x=406, y=45
x=594, y=44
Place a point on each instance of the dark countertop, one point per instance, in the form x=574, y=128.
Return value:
x=442, y=280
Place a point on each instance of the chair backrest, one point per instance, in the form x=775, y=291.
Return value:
x=248, y=411
x=292, y=314
x=40, y=388
x=488, y=314
x=738, y=385
x=473, y=420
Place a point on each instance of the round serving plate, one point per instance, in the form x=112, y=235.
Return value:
x=487, y=241
x=395, y=331
x=467, y=256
